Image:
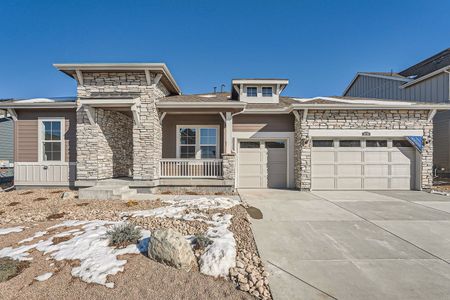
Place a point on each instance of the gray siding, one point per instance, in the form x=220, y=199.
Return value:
x=6, y=139
x=434, y=89
x=441, y=131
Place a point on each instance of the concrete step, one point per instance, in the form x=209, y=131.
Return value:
x=129, y=195
x=105, y=192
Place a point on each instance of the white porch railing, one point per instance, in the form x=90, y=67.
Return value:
x=194, y=168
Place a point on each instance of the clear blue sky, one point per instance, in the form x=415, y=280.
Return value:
x=318, y=45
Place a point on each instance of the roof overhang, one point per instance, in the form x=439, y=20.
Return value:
x=413, y=82
x=18, y=105
x=260, y=81
x=199, y=106
x=160, y=68
x=370, y=107
x=107, y=102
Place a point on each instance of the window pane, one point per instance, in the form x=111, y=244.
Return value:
x=376, y=143
x=267, y=91
x=208, y=151
x=52, y=151
x=350, y=143
x=401, y=143
x=249, y=144
x=56, y=130
x=274, y=144
x=187, y=151
x=208, y=136
x=323, y=143
x=187, y=136
x=252, y=92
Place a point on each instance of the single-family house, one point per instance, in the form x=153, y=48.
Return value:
x=427, y=81
x=131, y=122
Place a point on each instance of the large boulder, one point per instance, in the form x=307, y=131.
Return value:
x=169, y=247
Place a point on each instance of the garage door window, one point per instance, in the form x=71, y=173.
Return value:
x=349, y=143
x=323, y=143
x=376, y=143
x=401, y=143
x=273, y=145
x=249, y=145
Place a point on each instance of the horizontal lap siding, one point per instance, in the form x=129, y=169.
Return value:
x=6, y=139
x=263, y=123
x=26, y=133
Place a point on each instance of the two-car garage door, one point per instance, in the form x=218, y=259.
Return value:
x=362, y=164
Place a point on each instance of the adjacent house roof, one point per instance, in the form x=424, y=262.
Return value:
x=58, y=102
x=429, y=65
x=161, y=68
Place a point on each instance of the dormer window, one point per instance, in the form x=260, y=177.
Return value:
x=267, y=91
x=252, y=91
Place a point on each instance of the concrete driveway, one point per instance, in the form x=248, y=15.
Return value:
x=354, y=245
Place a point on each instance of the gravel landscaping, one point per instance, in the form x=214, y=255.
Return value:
x=41, y=229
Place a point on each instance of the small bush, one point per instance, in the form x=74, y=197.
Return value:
x=10, y=268
x=131, y=203
x=123, y=235
x=201, y=242
x=55, y=216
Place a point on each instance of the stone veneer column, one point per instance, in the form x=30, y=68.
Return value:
x=368, y=119
x=229, y=166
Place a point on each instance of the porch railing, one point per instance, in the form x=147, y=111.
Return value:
x=193, y=168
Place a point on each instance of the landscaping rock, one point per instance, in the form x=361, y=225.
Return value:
x=169, y=247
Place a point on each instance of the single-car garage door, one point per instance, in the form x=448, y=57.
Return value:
x=262, y=164
x=363, y=164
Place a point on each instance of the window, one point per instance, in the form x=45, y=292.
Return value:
x=349, y=143
x=252, y=91
x=401, y=143
x=51, y=138
x=376, y=143
x=273, y=145
x=198, y=142
x=267, y=91
x=323, y=143
x=249, y=145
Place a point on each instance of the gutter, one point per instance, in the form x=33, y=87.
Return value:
x=200, y=105
x=444, y=69
x=18, y=105
x=369, y=107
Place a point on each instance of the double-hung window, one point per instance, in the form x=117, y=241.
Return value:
x=51, y=139
x=267, y=91
x=252, y=91
x=197, y=142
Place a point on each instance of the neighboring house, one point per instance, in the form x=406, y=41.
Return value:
x=6, y=139
x=131, y=121
x=428, y=81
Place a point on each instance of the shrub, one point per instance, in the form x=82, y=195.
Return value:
x=201, y=242
x=10, y=268
x=123, y=235
x=131, y=203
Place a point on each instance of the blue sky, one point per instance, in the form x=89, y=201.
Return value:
x=318, y=45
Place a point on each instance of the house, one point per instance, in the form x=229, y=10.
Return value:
x=427, y=81
x=131, y=122
x=6, y=145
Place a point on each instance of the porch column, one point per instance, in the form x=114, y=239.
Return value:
x=228, y=132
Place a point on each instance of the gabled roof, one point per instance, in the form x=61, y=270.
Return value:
x=383, y=75
x=167, y=79
x=429, y=65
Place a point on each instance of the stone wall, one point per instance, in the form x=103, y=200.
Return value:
x=229, y=166
x=358, y=119
x=94, y=141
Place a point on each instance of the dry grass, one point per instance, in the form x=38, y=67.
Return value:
x=60, y=239
x=13, y=203
x=40, y=199
x=131, y=203
x=10, y=268
x=82, y=204
x=56, y=216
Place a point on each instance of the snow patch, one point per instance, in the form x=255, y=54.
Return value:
x=36, y=235
x=4, y=231
x=44, y=277
x=37, y=100
x=208, y=96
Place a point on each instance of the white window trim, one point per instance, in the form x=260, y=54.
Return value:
x=197, y=139
x=246, y=91
x=41, y=140
x=262, y=91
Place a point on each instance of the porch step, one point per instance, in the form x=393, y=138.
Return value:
x=107, y=192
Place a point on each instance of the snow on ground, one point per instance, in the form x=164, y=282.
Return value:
x=44, y=277
x=4, y=231
x=36, y=235
x=220, y=256
x=88, y=245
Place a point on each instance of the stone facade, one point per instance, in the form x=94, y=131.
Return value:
x=98, y=145
x=229, y=166
x=360, y=119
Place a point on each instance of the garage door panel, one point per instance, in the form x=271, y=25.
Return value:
x=376, y=183
x=319, y=170
x=376, y=170
x=376, y=156
x=401, y=183
x=349, y=183
x=250, y=181
x=323, y=183
x=401, y=170
x=349, y=170
x=350, y=156
x=279, y=169
x=323, y=156
x=402, y=156
x=248, y=157
x=251, y=170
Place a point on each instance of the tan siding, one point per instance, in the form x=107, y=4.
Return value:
x=263, y=123
x=170, y=122
x=26, y=128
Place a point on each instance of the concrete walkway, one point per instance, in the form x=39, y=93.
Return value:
x=354, y=245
